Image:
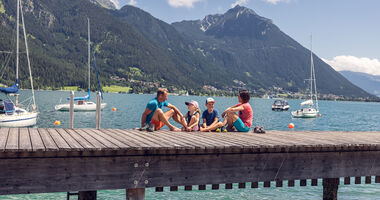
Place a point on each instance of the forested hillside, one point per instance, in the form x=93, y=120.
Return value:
x=221, y=52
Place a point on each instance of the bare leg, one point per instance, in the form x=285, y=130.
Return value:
x=177, y=117
x=231, y=118
x=192, y=121
x=159, y=115
x=212, y=127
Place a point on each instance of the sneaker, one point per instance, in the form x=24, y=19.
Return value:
x=259, y=129
x=223, y=129
x=262, y=129
x=150, y=128
x=145, y=127
x=217, y=130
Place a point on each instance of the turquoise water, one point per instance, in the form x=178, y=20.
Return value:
x=336, y=116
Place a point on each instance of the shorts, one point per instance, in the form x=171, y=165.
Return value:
x=157, y=124
x=240, y=126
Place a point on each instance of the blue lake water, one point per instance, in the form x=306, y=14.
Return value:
x=336, y=116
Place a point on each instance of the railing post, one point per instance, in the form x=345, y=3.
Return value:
x=87, y=195
x=98, y=109
x=330, y=188
x=71, y=124
x=136, y=194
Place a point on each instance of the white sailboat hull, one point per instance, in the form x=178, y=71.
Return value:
x=24, y=119
x=305, y=113
x=87, y=106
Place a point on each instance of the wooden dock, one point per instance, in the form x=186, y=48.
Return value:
x=38, y=160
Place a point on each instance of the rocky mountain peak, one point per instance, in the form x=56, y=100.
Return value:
x=237, y=13
x=110, y=4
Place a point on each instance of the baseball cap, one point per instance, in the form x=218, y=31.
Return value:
x=208, y=100
x=192, y=102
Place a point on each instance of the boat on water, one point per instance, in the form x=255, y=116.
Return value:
x=12, y=112
x=80, y=106
x=307, y=107
x=83, y=104
x=280, y=105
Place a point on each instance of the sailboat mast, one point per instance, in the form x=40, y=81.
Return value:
x=27, y=56
x=89, y=52
x=17, y=47
x=17, y=37
x=311, y=67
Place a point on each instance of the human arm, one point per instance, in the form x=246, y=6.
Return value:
x=204, y=124
x=215, y=121
x=175, y=109
x=195, y=120
x=144, y=115
x=233, y=109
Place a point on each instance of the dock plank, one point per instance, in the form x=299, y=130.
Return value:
x=35, y=138
x=178, y=140
x=47, y=140
x=152, y=138
x=209, y=144
x=13, y=140
x=183, y=138
x=117, y=136
x=58, y=139
x=126, y=139
x=164, y=141
x=133, y=136
x=96, y=144
x=74, y=145
x=25, y=142
x=82, y=141
x=97, y=136
x=3, y=137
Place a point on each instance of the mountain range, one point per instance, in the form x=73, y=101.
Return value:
x=226, y=51
x=368, y=82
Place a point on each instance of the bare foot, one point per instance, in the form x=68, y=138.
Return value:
x=175, y=129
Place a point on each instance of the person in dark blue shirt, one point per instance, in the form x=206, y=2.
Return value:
x=154, y=116
x=210, y=117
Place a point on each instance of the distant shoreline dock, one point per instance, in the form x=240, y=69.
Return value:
x=39, y=160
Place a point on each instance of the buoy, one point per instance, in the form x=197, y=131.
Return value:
x=56, y=122
x=319, y=115
x=114, y=109
x=291, y=125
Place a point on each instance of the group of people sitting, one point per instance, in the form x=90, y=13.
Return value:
x=154, y=118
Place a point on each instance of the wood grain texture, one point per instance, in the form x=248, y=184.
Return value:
x=3, y=138
x=58, y=160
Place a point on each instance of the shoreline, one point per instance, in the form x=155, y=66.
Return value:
x=215, y=95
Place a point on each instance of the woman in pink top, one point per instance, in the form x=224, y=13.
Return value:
x=243, y=121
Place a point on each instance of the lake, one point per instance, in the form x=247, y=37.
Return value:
x=336, y=116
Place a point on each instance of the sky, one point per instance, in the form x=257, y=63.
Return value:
x=346, y=33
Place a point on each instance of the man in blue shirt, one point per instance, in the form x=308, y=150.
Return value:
x=154, y=116
x=210, y=116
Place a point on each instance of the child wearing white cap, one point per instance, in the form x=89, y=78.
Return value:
x=192, y=116
x=210, y=117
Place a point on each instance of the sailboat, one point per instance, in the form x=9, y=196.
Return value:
x=307, y=107
x=11, y=113
x=84, y=103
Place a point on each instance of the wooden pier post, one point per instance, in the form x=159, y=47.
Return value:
x=71, y=123
x=98, y=110
x=330, y=188
x=87, y=195
x=136, y=194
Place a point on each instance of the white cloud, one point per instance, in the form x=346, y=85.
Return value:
x=276, y=1
x=132, y=2
x=239, y=2
x=355, y=64
x=116, y=3
x=182, y=3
